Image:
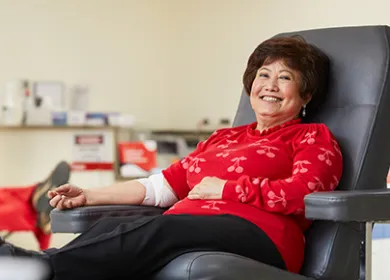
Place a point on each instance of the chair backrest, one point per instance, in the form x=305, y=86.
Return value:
x=357, y=110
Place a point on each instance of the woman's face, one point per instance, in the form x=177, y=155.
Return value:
x=275, y=93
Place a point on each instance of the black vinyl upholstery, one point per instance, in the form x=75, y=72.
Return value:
x=356, y=111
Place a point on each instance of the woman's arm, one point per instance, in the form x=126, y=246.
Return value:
x=130, y=192
x=152, y=191
x=68, y=196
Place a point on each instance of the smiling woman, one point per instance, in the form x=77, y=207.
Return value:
x=286, y=78
x=275, y=96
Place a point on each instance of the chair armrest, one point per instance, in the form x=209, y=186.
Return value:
x=80, y=219
x=346, y=206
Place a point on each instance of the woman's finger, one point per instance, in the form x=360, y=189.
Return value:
x=54, y=201
x=68, y=203
x=193, y=196
x=51, y=194
x=63, y=189
x=60, y=204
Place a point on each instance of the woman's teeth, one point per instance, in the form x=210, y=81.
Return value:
x=270, y=99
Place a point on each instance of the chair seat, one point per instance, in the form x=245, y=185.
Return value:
x=221, y=266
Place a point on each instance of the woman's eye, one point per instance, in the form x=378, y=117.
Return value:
x=285, y=77
x=264, y=75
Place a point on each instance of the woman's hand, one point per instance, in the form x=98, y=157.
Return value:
x=208, y=188
x=67, y=197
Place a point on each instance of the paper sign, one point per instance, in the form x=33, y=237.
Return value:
x=93, y=151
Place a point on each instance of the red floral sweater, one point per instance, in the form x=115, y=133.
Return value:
x=268, y=174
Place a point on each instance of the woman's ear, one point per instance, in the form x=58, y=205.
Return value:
x=307, y=98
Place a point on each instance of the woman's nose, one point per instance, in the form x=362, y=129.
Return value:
x=272, y=86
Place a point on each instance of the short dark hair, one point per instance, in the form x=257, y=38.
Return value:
x=297, y=54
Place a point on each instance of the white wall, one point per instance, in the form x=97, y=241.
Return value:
x=218, y=36
x=115, y=47
x=157, y=59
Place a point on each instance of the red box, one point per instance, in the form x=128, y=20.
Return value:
x=137, y=158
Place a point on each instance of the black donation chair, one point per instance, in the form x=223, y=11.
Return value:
x=357, y=112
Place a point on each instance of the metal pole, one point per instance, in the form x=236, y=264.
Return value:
x=366, y=251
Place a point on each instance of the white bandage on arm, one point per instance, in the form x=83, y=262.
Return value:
x=158, y=191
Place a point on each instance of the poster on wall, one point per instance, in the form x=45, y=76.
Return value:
x=93, y=151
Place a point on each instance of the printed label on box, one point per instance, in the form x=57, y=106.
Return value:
x=137, y=158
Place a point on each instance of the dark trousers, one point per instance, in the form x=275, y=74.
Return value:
x=128, y=248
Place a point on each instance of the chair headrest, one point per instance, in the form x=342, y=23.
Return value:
x=357, y=101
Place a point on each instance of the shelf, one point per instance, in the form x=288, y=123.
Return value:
x=53, y=128
x=192, y=137
x=193, y=132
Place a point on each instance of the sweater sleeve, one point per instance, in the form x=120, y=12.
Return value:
x=176, y=174
x=317, y=166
